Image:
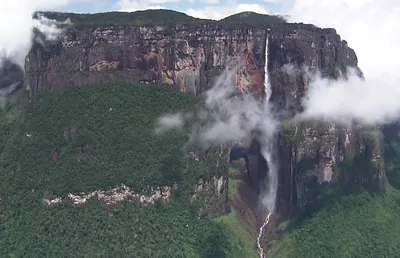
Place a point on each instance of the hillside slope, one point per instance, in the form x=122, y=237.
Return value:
x=94, y=138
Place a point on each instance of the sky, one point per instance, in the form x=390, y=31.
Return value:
x=213, y=9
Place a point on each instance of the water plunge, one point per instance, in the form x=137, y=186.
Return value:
x=267, y=150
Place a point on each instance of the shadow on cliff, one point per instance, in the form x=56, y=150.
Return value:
x=392, y=154
x=354, y=176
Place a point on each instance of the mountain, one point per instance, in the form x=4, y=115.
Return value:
x=191, y=57
x=86, y=123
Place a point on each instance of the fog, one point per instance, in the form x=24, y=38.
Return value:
x=371, y=28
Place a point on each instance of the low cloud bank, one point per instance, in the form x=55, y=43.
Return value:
x=371, y=29
x=17, y=24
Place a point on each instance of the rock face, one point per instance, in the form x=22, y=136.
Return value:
x=11, y=78
x=215, y=194
x=295, y=46
x=317, y=159
x=190, y=57
x=314, y=154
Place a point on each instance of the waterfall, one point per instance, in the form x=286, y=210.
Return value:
x=267, y=86
x=269, y=197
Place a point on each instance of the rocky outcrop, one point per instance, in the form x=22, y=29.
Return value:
x=213, y=191
x=150, y=195
x=215, y=195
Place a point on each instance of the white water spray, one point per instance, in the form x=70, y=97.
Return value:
x=267, y=150
x=267, y=86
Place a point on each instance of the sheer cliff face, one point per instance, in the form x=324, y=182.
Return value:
x=191, y=58
x=312, y=154
x=297, y=46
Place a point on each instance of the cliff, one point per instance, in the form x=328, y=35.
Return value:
x=190, y=56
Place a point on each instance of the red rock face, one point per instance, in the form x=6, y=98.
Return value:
x=190, y=58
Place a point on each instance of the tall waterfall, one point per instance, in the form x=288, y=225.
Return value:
x=267, y=86
x=269, y=196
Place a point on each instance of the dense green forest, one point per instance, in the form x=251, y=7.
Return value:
x=160, y=17
x=95, y=137
x=361, y=225
x=98, y=136
x=351, y=220
x=80, y=139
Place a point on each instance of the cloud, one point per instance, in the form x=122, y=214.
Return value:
x=210, y=1
x=169, y=122
x=225, y=117
x=371, y=28
x=16, y=30
x=137, y=5
x=16, y=26
x=222, y=11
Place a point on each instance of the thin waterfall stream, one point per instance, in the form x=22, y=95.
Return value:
x=269, y=197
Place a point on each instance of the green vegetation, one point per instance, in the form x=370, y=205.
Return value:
x=289, y=131
x=139, y=18
x=356, y=217
x=233, y=185
x=8, y=116
x=361, y=225
x=93, y=137
x=253, y=19
x=159, y=17
x=29, y=229
x=240, y=240
x=392, y=154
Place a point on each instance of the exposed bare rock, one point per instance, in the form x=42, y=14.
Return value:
x=215, y=194
x=115, y=195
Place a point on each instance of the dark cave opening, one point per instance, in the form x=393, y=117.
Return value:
x=256, y=164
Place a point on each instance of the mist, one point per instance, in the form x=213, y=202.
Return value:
x=225, y=117
x=17, y=24
x=371, y=28
x=17, y=27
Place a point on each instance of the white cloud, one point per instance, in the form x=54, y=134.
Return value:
x=16, y=26
x=169, y=122
x=210, y=1
x=222, y=11
x=136, y=5
x=228, y=119
x=371, y=28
